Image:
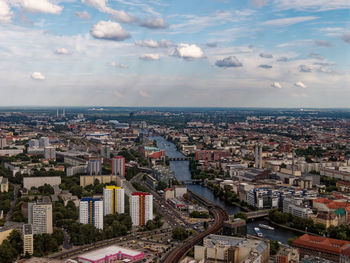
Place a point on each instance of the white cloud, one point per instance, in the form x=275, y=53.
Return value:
x=109, y=30
x=288, y=21
x=149, y=57
x=187, y=51
x=265, y=55
x=153, y=43
x=346, y=37
x=229, y=62
x=144, y=94
x=83, y=15
x=38, y=6
x=118, y=15
x=37, y=76
x=276, y=85
x=154, y=23
x=300, y=85
x=61, y=51
x=316, y=5
x=116, y=65
x=5, y=12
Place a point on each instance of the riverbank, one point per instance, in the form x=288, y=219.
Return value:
x=290, y=228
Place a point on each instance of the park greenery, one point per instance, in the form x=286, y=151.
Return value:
x=329, y=182
x=45, y=244
x=180, y=233
x=304, y=224
x=11, y=247
x=274, y=247
x=241, y=215
x=197, y=214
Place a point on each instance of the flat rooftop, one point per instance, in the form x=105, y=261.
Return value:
x=111, y=250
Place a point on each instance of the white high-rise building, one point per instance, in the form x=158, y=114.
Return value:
x=118, y=166
x=91, y=212
x=40, y=216
x=141, y=208
x=44, y=142
x=50, y=153
x=33, y=143
x=113, y=200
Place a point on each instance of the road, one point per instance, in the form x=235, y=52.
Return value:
x=176, y=254
x=13, y=202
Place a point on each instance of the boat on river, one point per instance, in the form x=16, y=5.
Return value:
x=258, y=232
x=266, y=227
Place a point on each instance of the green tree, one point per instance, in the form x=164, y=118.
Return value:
x=241, y=215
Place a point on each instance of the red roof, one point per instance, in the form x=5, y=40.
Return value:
x=330, y=245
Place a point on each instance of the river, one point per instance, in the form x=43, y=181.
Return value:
x=182, y=172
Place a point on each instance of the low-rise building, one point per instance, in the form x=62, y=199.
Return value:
x=111, y=254
x=232, y=249
x=327, y=248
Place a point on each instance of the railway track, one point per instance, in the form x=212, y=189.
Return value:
x=81, y=249
x=219, y=217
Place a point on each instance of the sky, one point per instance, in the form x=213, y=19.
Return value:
x=186, y=53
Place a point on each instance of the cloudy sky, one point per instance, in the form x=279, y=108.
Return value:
x=229, y=53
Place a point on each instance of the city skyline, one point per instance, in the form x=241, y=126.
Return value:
x=260, y=53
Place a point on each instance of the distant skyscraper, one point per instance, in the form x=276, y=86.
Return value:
x=113, y=200
x=28, y=239
x=91, y=212
x=44, y=142
x=141, y=208
x=40, y=216
x=118, y=166
x=50, y=153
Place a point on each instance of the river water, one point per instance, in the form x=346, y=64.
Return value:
x=182, y=172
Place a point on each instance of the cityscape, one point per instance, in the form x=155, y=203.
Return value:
x=187, y=131
x=174, y=185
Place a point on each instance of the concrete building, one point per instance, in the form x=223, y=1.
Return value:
x=180, y=190
x=163, y=174
x=40, y=216
x=111, y=254
x=326, y=248
x=295, y=207
x=263, y=198
x=91, y=212
x=169, y=193
x=141, y=208
x=95, y=169
x=33, y=143
x=44, y=142
x=50, y=153
x=118, y=166
x=4, y=184
x=29, y=182
x=28, y=239
x=236, y=227
x=232, y=250
x=3, y=143
x=287, y=255
x=113, y=200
